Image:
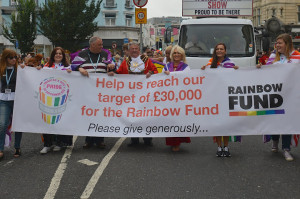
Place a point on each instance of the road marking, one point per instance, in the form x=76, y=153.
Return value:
x=8, y=163
x=55, y=182
x=87, y=162
x=94, y=179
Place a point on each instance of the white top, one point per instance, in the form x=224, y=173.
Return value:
x=7, y=96
x=58, y=67
x=137, y=65
x=284, y=60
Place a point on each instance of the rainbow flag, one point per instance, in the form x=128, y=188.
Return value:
x=231, y=139
x=159, y=65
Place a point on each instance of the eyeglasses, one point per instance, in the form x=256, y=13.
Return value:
x=15, y=57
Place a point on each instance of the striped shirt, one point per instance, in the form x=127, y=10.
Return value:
x=294, y=58
x=94, y=63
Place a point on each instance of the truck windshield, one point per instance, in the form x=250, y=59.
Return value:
x=199, y=40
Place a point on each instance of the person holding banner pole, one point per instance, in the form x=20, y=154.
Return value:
x=220, y=59
x=95, y=59
x=8, y=76
x=57, y=61
x=178, y=63
x=285, y=53
x=136, y=64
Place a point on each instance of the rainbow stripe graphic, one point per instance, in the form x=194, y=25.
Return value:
x=257, y=113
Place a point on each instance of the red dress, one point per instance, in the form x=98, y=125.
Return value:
x=175, y=141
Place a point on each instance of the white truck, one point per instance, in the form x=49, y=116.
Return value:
x=198, y=37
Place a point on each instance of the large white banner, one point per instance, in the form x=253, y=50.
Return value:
x=193, y=103
x=206, y=8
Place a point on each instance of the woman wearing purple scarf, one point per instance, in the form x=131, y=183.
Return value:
x=178, y=63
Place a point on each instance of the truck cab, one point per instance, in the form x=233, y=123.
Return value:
x=198, y=37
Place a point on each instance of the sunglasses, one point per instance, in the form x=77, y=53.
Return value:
x=15, y=57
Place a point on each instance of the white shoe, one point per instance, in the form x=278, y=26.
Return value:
x=45, y=150
x=287, y=156
x=57, y=148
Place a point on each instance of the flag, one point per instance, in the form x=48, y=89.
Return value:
x=175, y=31
x=152, y=31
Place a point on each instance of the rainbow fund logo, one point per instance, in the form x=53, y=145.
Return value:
x=53, y=95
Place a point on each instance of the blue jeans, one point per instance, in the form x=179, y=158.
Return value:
x=6, y=109
x=286, y=141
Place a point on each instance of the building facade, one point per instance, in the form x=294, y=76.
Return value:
x=286, y=13
x=42, y=44
x=161, y=24
x=116, y=22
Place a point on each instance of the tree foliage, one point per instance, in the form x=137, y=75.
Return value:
x=68, y=23
x=23, y=26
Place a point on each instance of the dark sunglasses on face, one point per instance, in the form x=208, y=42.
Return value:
x=15, y=57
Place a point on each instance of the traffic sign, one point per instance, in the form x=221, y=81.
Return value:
x=126, y=40
x=140, y=15
x=140, y=3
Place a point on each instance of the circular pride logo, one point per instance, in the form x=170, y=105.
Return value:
x=53, y=95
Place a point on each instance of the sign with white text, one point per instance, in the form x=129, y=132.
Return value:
x=205, y=8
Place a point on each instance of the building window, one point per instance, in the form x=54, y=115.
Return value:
x=128, y=4
x=110, y=19
x=273, y=12
x=110, y=4
x=299, y=14
x=258, y=17
x=128, y=20
x=281, y=11
x=13, y=2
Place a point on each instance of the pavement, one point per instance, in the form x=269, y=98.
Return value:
x=146, y=172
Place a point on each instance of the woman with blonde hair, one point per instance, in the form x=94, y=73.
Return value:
x=285, y=53
x=178, y=63
x=8, y=76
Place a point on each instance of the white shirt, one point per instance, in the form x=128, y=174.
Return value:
x=137, y=65
x=7, y=96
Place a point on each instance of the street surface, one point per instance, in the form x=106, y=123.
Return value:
x=155, y=172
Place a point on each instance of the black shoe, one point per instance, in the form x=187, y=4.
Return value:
x=226, y=152
x=101, y=145
x=1, y=155
x=219, y=152
x=87, y=145
x=148, y=143
x=17, y=153
x=132, y=144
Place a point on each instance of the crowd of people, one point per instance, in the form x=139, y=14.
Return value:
x=95, y=59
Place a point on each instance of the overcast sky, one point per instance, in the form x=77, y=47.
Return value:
x=160, y=8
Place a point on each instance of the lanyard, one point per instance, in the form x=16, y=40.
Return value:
x=282, y=60
x=95, y=67
x=8, y=80
x=59, y=65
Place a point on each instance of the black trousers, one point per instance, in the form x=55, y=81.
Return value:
x=136, y=140
x=94, y=140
